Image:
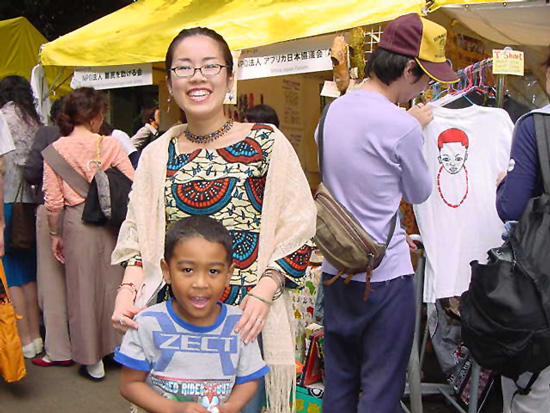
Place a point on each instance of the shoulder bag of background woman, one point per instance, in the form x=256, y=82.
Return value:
x=106, y=197
x=22, y=230
x=12, y=364
x=340, y=237
x=505, y=313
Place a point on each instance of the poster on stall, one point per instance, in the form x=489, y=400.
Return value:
x=287, y=58
x=292, y=98
x=508, y=62
x=113, y=77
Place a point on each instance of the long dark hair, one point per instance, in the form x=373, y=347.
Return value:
x=18, y=90
x=200, y=31
x=79, y=107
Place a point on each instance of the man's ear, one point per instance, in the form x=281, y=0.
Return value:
x=439, y=160
x=466, y=155
x=165, y=271
x=408, y=72
x=230, y=273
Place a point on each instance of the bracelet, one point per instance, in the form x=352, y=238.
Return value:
x=129, y=286
x=54, y=232
x=263, y=300
x=276, y=276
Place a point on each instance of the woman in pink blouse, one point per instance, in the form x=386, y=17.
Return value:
x=85, y=249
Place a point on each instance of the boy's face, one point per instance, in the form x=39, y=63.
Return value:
x=198, y=273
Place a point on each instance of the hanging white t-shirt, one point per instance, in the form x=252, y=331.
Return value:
x=465, y=150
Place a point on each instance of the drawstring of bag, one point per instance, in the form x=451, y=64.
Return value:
x=349, y=276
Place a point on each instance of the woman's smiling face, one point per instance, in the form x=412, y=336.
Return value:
x=199, y=96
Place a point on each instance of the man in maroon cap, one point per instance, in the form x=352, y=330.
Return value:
x=372, y=159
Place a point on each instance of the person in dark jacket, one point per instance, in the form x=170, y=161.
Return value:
x=516, y=187
x=51, y=273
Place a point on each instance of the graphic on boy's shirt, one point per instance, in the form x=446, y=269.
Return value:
x=170, y=342
x=452, y=177
x=207, y=393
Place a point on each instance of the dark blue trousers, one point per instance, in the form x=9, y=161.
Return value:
x=367, y=345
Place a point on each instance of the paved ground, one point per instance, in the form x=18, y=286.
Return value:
x=62, y=390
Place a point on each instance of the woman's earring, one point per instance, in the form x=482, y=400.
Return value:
x=169, y=100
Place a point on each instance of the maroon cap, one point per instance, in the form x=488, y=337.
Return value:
x=422, y=39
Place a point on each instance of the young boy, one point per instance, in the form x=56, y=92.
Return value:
x=185, y=355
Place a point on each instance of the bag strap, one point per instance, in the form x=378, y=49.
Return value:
x=524, y=391
x=320, y=134
x=19, y=193
x=542, y=132
x=4, y=282
x=66, y=171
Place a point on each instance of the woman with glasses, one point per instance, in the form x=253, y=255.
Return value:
x=245, y=175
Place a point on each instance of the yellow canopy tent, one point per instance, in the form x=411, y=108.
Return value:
x=20, y=49
x=141, y=32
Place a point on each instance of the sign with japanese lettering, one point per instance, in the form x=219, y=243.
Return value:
x=508, y=62
x=287, y=58
x=112, y=77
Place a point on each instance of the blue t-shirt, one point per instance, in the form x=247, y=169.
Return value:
x=190, y=363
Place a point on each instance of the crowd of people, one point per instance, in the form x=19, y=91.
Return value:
x=220, y=222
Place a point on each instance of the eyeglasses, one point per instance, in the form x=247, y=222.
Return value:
x=209, y=70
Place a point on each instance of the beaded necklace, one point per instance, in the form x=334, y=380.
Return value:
x=441, y=192
x=204, y=139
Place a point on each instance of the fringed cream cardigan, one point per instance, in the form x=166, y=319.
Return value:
x=288, y=221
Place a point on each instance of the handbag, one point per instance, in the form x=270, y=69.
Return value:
x=22, y=231
x=340, y=236
x=12, y=363
x=107, y=199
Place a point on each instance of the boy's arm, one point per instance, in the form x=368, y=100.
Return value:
x=240, y=395
x=134, y=389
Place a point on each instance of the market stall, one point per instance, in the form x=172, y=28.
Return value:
x=19, y=55
x=285, y=62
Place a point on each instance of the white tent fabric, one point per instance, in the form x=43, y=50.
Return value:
x=516, y=24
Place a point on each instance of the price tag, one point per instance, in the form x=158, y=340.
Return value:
x=508, y=62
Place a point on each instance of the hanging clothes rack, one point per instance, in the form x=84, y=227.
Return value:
x=480, y=74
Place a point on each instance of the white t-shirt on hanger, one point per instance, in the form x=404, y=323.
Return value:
x=465, y=150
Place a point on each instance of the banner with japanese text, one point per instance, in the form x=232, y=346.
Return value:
x=287, y=58
x=112, y=77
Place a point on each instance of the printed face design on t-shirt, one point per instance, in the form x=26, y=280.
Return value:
x=452, y=157
x=453, y=150
x=452, y=186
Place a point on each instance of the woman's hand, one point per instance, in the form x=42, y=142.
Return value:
x=255, y=311
x=57, y=248
x=125, y=311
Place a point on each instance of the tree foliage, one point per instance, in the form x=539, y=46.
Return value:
x=54, y=18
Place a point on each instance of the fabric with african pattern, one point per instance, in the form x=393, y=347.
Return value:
x=228, y=184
